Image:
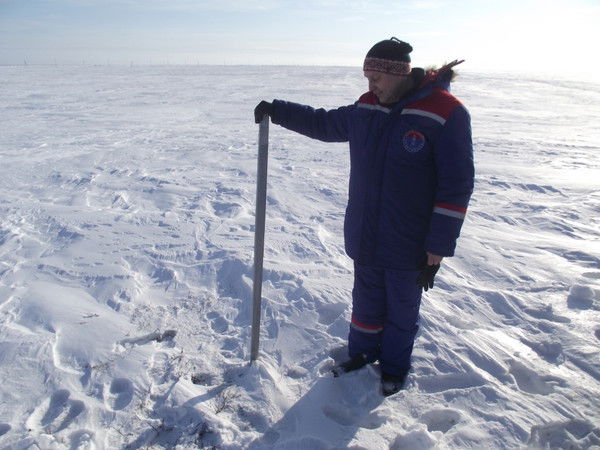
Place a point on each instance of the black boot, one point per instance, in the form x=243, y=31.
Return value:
x=354, y=363
x=390, y=384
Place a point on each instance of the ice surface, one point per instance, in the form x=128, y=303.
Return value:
x=126, y=235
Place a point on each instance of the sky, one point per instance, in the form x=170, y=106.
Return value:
x=549, y=36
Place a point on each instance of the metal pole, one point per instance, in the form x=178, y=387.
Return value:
x=259, y=232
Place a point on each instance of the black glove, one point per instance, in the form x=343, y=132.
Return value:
x=425, y=278
x=261, y=110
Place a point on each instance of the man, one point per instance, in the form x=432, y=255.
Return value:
x=411, y=177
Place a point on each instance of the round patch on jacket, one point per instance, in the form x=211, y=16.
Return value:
x=413, y=141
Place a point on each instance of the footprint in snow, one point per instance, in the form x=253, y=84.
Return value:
x=4, y=428
x=546, y=313
x=56, y=413
x=234, y=279
x=255, y=419
x=415, y=438
x=228, y=189
x=227, y=210
x=573, y=433
x=83, y=439
x=329, y=313
x=164, y=337
x=441, y=383
x=162, y=371
x=581, y=297
x=163, y=275
x=373, y=421
x=120, y=394
x=530, y=381
x=203, y=379
x=159, y=368
x=441, y=419
x=549, y=350
x=231, y=348
x=217, y=322
x=339, y=415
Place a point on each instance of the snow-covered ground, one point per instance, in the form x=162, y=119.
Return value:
x=126, y=247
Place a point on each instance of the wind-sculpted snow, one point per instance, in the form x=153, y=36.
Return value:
x=126, y=252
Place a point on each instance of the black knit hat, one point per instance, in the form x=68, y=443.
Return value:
x=389, y=56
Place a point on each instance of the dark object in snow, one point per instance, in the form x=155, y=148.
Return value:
x=204, y=379
x=166, y=336
x=354, y=363
x=425, y=278
x=390, y=384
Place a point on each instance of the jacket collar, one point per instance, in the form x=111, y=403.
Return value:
x=434, y=79
x=440, y=77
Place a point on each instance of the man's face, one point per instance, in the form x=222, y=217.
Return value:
x=387, y=87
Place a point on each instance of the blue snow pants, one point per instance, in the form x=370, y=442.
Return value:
x=385, y=316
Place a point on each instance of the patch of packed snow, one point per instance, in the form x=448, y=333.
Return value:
x=126, y=249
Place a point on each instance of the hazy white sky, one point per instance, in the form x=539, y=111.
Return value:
x=546, y=36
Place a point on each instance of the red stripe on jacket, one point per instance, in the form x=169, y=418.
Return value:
x=440, y=102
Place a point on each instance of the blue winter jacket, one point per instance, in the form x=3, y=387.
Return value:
x=411, y=172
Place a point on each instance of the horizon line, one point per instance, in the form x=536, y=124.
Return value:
x=486, y=71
